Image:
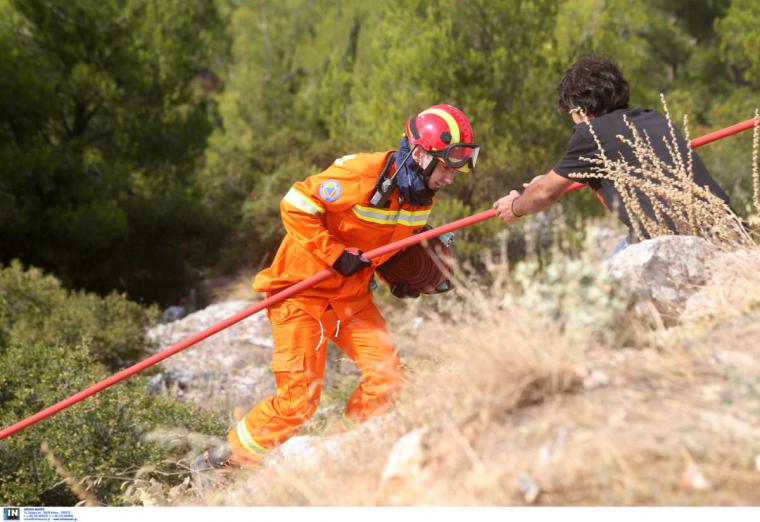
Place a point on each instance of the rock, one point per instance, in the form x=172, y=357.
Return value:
x=693, y=478
x=688, y=276
x=229, y=368
x=173, y=313
x=732, y=287
x=254, y=329
x=176, y=378
x=406, y=459
x=306, y=452
x=595, y=379
x=528, y=488
x=422, y=455
x=668, y=270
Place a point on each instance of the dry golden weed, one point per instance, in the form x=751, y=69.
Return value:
x=755, y=220
x=669, y=186
x=236, y=288
x=77, y=486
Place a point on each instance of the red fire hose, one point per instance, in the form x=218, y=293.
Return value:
x=698, y=142
x=306, y=283
x=266, y=303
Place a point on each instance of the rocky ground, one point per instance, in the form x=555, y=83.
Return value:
x=512, y=400
x=230, y=371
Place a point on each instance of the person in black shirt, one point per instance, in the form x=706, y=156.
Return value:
x=596, y=88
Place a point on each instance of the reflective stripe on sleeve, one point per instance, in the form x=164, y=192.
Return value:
x=303, y=203
x=247, y=440
x=392, y=217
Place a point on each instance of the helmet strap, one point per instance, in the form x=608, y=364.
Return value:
x=424, y=195
x=428, y=171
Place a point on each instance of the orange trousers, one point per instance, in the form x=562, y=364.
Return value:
x=298, y=363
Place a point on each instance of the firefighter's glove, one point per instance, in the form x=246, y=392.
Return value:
x=403, y=292
x=350, y=262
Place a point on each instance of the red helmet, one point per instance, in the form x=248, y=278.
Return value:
x=443, y=130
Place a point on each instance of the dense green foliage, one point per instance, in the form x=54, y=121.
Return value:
x=308, y=81
x=142, y=143
x=54, y=344
x=34, y=308
x=102, y=125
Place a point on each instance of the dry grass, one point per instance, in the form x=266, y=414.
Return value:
x=80, y=487
x=507, y=405
x=755, y=220
x=680, y=206
x=234, y=288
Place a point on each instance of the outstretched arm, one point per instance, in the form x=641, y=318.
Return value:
x=541, y=193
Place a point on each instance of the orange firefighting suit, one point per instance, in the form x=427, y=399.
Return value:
x=324, y=215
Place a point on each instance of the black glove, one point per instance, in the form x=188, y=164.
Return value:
x=350, y=262
x=403, y=291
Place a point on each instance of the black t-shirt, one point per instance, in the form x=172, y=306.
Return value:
x=607, y=129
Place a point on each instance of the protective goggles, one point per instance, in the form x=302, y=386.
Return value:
x=459, y=156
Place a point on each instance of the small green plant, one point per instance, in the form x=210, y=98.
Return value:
x=54, y=344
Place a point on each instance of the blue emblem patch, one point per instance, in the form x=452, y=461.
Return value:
x=329, y=190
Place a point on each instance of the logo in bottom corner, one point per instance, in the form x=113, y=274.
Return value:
x=11, y=513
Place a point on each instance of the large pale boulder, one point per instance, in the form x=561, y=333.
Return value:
x=667, y=270
x=230, y=368
x=733, y=286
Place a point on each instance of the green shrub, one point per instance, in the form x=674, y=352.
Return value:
x=35, y=307
x=573, y=295
x=53, y=345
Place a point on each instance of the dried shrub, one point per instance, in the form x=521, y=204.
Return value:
x=680, y=206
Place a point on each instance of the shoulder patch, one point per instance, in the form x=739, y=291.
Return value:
x=329, y=190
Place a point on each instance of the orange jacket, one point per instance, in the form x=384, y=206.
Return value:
x=324, y=215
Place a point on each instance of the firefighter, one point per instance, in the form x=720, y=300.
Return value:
x=361, y=202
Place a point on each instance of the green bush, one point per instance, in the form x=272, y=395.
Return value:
x=34, y=307
x=103, y=122
x=54, y=344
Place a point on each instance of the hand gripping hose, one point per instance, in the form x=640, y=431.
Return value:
x=698, y=142
x=261, y=305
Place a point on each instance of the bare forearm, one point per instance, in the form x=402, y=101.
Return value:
x=534, y=200
x=542, y=192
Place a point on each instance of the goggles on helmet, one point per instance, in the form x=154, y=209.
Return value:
x=460, y=156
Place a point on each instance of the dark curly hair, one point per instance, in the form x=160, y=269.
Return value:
x=594, y=84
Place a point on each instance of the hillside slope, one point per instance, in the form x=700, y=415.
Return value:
x=586, y=400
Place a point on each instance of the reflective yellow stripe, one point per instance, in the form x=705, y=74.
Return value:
x=450, y=121
x=348, y=157
x=348, y=423
x=247, y=440
x=303, y=203
x=392, y=217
